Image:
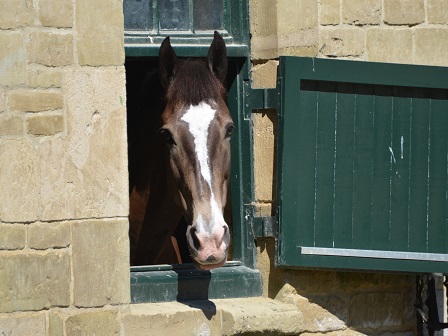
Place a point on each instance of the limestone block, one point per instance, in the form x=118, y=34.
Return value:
x=101, y=262
x=2, y=100
x=19, y=181
x=264, y=75
x=265, y=127
x=12, y=53
x=355, y=282
x=342, y=42
x=56, y=13
x=87, y=175
x=15, y=14
x=11, y=124
x=433, y=40
x=93, y=322
x=100, y=26
x=30, y=324
x=34, y=281
x=263, y=27
x=48, y=235
x=389, y=45
x=376, y=309
x=43, y=77
x=404, y=12
x=34, y=100
x=172, y=318
x=329, y=12
x=55, y=323
x=361, y=12
x=12, y=236
x=436, y=11
x=50, y=49
x=45, y=124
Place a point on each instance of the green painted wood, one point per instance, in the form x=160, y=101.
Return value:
x=362, y=163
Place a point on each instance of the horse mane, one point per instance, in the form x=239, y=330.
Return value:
x=193, y=83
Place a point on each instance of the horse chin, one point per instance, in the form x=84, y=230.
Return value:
x=208, y=267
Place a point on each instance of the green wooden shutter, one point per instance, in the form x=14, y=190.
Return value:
x=362, y=174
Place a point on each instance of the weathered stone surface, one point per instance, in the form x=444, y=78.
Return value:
x=346, y=332
x=93, y=322
x=265, y=127
x=45, y=124
x=376, y=309
x=19, y=181
x=329, y=12
x=104, y=243
x=361, y=12
x=2, y=100
x=389, y=45
x=12, y=54
x=34, y=100
x=265, y=75
x=55, y=323
x=404, y=12
x=31, y=324
x=41, y=77
x=51, y=49
x=259, y=315
x=49, y=235
x=342, y=42
x=15, y=14
x=12, y=236
x=172, y=318
x=354, y=282
x=433, y=40
x=263, y=23
x=11, y=124
x=100, y=26
x=34, y=281
x=436, y=11
x=56, y=13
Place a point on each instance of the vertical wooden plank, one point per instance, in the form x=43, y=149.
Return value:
x=400, y=169
x=418, y=179
x=325, y=164
x=437, y=212
x=382, y=162
x=362, y=168
x=342, y=222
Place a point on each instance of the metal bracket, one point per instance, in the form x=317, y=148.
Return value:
x=265, y=226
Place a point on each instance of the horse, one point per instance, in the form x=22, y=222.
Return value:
x=180, y=170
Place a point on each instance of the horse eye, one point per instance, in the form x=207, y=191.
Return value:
x=167, y=136
x=229, y=130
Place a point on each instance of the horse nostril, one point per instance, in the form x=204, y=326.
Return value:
x=194, y=238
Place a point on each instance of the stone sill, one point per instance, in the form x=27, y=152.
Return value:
x=217, y=317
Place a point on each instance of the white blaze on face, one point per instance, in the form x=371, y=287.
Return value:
x=199, y=118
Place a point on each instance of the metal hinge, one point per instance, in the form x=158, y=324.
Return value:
x=265, y=226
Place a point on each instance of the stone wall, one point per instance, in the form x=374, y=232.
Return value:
x=63, y=167
x=396, y=31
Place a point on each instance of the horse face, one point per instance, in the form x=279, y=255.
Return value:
x=196, y=129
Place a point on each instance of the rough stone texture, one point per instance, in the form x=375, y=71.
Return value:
x=31, y=324
x=88, y=176
x=12, y=54
x=50, y=49
x=436, y=11
x=342, y=42
x=12, y=236
x=389, y=45
x=44, y=77
x=100, y=26
x=265, y=125
x=265, y=75
x=34, y=100
x=2, y=100
x=263, y=26
x=34, y=281
x=56, y=13
x=15, y=14
x=49, y=235
x=361, y=12
x=433, y=40
x=19, y=181
x=93, y=322
x=404, y=12
x=55, y=323
x=329, y=12
x=11, y=125
x=106, y=241
x=45, y=124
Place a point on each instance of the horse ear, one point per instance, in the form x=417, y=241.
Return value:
x=217, y=57
x=167, y=62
